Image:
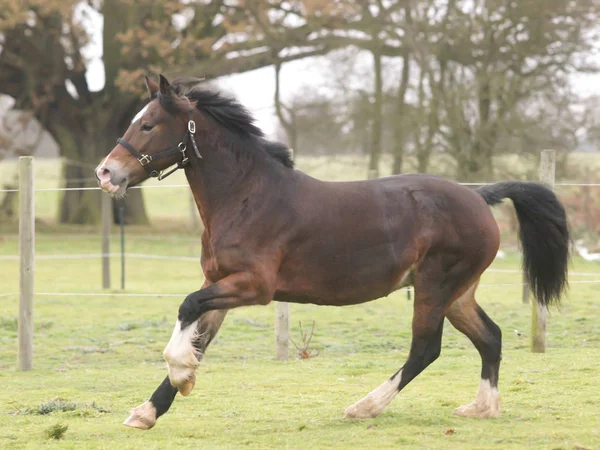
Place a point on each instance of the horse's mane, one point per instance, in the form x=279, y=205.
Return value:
x=227, y=112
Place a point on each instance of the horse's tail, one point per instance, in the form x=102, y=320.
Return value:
x=544, y=235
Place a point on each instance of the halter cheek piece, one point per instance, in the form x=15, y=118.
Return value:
x=146, y=160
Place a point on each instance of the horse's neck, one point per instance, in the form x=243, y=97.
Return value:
x=220, y=186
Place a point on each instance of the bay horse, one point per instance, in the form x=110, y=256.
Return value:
x=274, y=233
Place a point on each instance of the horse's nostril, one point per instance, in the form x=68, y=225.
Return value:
x=103, y=174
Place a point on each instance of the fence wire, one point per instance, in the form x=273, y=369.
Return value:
x=171, y=294
x=170, y=186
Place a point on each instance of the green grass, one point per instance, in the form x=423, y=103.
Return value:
x=96, y=357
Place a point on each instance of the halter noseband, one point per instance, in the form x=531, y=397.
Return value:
x=146, y=160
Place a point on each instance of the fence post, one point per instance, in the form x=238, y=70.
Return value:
x=525, y=290
x=282, y=325
x=587, y=201
x=539, y=312
x=26, y=252
x=282, y=330
x=122, y=227
x=106, y=211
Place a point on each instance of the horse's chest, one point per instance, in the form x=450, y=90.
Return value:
x=211, y=270
x=220, y=263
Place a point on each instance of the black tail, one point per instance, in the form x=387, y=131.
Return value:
x=544, y=235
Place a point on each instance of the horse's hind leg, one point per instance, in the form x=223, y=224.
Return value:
x=431, y=298
x=145, y=415
x=425, y=348
x=468, y=317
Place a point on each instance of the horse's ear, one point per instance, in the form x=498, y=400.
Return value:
x=152, y=87
x=164, y=84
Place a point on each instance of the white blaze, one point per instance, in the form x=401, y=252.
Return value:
x=139, y=115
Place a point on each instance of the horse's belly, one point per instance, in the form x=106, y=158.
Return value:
x=341, y=281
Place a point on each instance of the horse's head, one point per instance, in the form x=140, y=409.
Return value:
x=156, y=139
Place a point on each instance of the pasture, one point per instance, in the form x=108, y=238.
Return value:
x=95, y=357
x=102, y=355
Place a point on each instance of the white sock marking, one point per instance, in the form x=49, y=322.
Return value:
x=488, y=397
x=375, y=402
x=486, y=404
x=143, y=417
x=180, y=350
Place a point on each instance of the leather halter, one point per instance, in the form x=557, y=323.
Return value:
x=145, y=160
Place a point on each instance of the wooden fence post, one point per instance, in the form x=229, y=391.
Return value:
x=282, y=326
x=106, y=211
x=539, y=313
x=525, y=290
x=122, y=227
x=27, y=256
x=282, y=331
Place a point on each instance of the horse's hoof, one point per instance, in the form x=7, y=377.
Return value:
x=363, y=409
x=478, y=411
x=183, y=378
x=142, y=417
x=187, y=387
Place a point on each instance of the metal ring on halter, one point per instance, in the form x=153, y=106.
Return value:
x=145, y=159
x=182, y=149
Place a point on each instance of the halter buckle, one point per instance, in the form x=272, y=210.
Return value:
x=145, y=160
x=191, y=126
x=184, y=158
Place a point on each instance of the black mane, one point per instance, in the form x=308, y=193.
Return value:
x=280, y=152
x=225, y=111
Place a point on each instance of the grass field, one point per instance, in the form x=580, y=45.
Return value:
x=96, y=357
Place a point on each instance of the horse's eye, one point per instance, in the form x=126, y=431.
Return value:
x=147, y=127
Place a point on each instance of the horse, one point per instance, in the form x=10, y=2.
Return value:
x=272, y=232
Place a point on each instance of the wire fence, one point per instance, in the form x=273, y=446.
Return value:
x=170, y=186
x=183, y=295
x=105, y=255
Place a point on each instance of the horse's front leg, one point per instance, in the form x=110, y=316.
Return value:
x=239, y=289
x=145, y=415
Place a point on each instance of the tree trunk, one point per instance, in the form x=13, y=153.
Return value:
x=9, y=205
x=76, y=207
x=476, y=167
x=288, y=125
x=400, y=130
x=84, y=145
x=422, y=162
x=480, y=158
x=86, y=128
x=427, y=126
x=376, y=122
